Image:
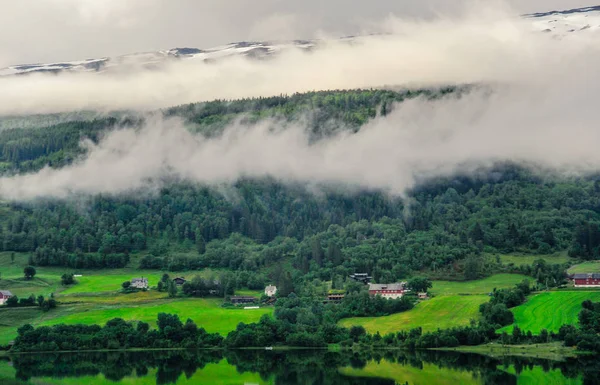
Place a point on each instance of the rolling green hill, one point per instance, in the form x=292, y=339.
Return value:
x=550, y=310
x=439, y=312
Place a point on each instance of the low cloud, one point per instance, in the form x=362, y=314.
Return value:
x=537, y=106
x=551, y=126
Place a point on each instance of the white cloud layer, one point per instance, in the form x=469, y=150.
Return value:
x=541, y=110
x=485, y=45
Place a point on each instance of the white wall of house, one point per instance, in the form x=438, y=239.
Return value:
x=391, y=295
x=597, y=286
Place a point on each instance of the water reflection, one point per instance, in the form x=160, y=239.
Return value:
x=293, y=368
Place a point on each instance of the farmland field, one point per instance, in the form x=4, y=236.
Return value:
x=519, y=260
x=439, y=312
x=585, y=267
x=96, y=299
x=482, y=286
x=550, y=310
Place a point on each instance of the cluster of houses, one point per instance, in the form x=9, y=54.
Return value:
x=385, y=290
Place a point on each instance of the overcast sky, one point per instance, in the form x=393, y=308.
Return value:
x=53, y=30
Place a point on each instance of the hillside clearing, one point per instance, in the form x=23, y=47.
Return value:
x=481, y=286
x=585, y=267
x=528, y=259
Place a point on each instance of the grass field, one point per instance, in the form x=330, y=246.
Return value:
x=96, y=299
x=528, y=259
x=406, y=374
x=482, y=286
x=439, y=312
x=207, y=313
x=550, y=310
x=585, y=267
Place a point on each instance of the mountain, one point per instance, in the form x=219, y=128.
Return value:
x=149, y=60
x=558, y=23
x=563, y=23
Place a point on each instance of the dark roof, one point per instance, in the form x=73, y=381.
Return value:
x=133, y=280
x=242, y=297
x=586, y=276
x=387, y=286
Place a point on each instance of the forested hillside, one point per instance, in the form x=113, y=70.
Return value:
x=445, y=225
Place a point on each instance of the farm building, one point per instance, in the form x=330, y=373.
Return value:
x=139, y=283
x=388, y=290
x=361, y=277
x=4, y=296
x=586, y=280
x=335, y=297
x=237, y=299
x=423, y=296
x=179, y=280
x=270, y=290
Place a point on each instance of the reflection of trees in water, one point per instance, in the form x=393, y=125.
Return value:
x=287, y=367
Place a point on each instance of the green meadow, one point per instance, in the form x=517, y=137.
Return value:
x=454, y=304
x=437, y=313
x=481, y=286
x=585, y=267
x=95, y=299
x=528, y=259
x=550, y=310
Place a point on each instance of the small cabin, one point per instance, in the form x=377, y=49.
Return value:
x=139, y=283
x=240, y=299
x=270, y=290
x=179, y=280
x=423, y=296
x=335, y=297
x=4, y=296
x=361, y=277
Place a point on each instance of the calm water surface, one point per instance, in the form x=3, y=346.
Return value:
x=293, y=368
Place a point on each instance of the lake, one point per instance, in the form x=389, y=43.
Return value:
x=257, y=367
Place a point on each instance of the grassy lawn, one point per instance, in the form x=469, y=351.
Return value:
x=550, y=310
x=528, y=259
x=207, y=313
x=401, y=374
x=585, y=267
x=439, y=312
x=482, y=286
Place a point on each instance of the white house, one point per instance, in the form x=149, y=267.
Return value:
x=270, y=290
x=4, y=296
x=139, y=283
x=388, y=290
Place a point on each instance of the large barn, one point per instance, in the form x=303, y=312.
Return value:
x=586, y=280
x=388, y=290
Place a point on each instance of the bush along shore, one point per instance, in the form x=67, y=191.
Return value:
x=306, y=323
